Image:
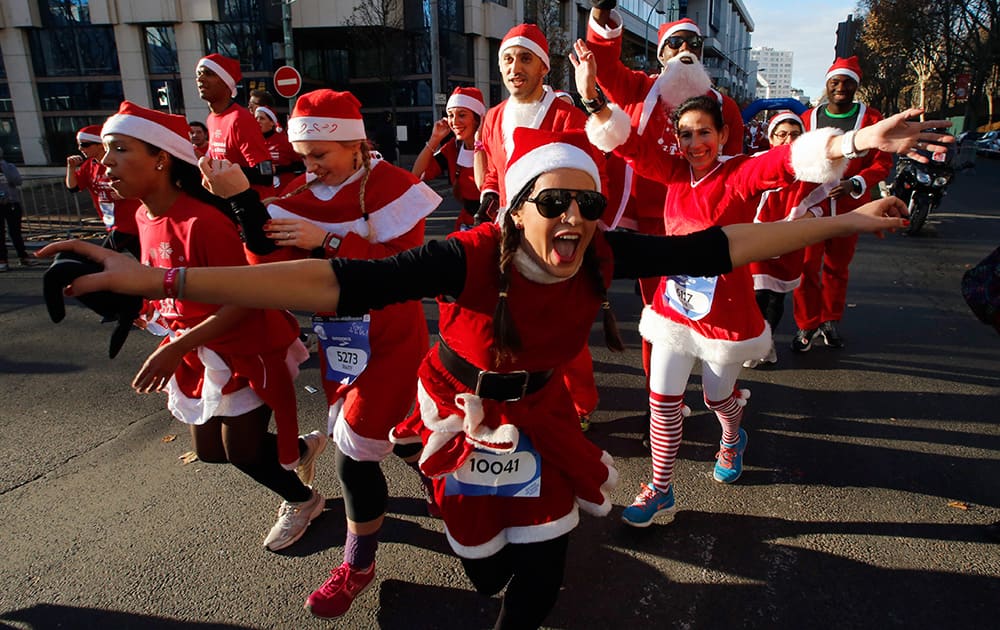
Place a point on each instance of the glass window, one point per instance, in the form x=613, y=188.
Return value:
x=167, y=95
x=161, y=50
x=80, y=95
x=63, y=12
x=60, y=134
x=247, y=31
x=10, y=142
x=73, y=51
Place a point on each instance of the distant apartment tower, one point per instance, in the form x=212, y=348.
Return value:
x=775, y=66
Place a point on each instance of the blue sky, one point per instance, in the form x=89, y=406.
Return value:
x=806, y=27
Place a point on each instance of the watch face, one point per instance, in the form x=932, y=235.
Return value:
x=266, y=168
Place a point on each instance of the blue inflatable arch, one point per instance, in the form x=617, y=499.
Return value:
x=763, y=104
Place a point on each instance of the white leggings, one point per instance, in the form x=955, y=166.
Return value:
x=669, y=372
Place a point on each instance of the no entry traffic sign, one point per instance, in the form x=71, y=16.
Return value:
x=287, y=81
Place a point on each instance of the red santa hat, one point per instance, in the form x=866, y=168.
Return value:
x=267, y=111
x=326, y=115
x=468, y=97
x=672, y=28
x=160, y=129
x=226, y=68
x=847, y=67
x=537, y=152
x=781, y=117
x=90, y=133
x=527, y=36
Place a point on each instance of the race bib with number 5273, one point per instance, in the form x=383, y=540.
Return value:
x=345, y=345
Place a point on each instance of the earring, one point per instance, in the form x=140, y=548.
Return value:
x=159, y=167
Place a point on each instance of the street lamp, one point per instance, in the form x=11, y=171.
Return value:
x=645, y=34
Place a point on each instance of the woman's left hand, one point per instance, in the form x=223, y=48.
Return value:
x=295, y=233
x=158, y=368
x=898, y=134
x=885, y=214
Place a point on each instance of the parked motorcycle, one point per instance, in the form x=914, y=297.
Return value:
x=921, y=187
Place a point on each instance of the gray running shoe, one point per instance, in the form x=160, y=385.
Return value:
x=293, y=519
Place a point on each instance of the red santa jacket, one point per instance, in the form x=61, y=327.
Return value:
x=555, y=114
x=869, y=169
x=636, y=93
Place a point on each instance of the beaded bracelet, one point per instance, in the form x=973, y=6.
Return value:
x=173, y=282
x=479, y=146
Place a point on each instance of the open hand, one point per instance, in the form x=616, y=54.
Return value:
x=585, y=66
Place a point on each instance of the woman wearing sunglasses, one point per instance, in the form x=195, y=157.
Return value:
x=498, y=428
x=456, y=159
x=714, y=321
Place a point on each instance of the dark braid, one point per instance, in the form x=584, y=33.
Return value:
x=592, y=264
x=187, y=177
x=506, y=340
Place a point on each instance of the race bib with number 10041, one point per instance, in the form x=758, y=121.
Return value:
x=345, y=344
x=516, y=474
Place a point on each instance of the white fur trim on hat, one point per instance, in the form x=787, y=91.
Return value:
x=783, y=117
x=677, y=28
x=227, y=78
x=611, y=133
x=88, y=137
x=843, y=71
x=153, y=133
x=463, y=100
x=525, y=42
x=267, y=112
x=546, y=158
x=309, y=128
x=614, y=28
x=808, y=157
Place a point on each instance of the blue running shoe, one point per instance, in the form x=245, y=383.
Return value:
x=648, y=505
x=729, y=460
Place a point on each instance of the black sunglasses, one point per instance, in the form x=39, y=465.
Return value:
x=552, y=203
x=694, y=43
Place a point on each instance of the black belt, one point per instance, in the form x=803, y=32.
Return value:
x=502, y=386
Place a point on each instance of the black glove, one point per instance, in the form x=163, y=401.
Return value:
x=488, y=208
x=260, y=175
x=116, y=307
x=252, y=215
x=605, y=5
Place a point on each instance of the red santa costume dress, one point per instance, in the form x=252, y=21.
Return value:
x=821, y=296
x=284, y=159
x=649, y=100
x=511, y=468
x=117, y=214
x=711, y=320
x=255, y=361
x=774, y=277
x=456, y=161
x=368, y=361
x=496, y=134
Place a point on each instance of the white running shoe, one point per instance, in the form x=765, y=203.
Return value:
x=293, y=519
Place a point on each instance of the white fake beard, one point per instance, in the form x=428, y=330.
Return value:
x=517, y=115
x=680, y=81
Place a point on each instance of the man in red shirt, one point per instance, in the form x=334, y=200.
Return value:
x=820, y=298
x=233, y=132
x=85, y=172
x=198, y=133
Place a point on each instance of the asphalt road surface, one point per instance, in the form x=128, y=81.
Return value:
x=870, y=474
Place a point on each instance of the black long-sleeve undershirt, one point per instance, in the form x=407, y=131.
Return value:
x=438, y=267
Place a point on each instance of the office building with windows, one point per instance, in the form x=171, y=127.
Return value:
x=65, y=64
x=775, y=67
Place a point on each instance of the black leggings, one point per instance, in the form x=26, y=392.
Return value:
x=245, y=442
x=365, y=491
x=772, y=306
x=10, y=217
x=533, y=574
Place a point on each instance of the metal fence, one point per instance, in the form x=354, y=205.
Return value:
x=52, y=212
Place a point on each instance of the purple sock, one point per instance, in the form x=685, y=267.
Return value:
x=359, y=551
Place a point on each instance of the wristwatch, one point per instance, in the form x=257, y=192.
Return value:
x=595, y=105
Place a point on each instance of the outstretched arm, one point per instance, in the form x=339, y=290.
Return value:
x=759, y=241
x=308, y=285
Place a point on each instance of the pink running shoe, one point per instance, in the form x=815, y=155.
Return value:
x=335, y=597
